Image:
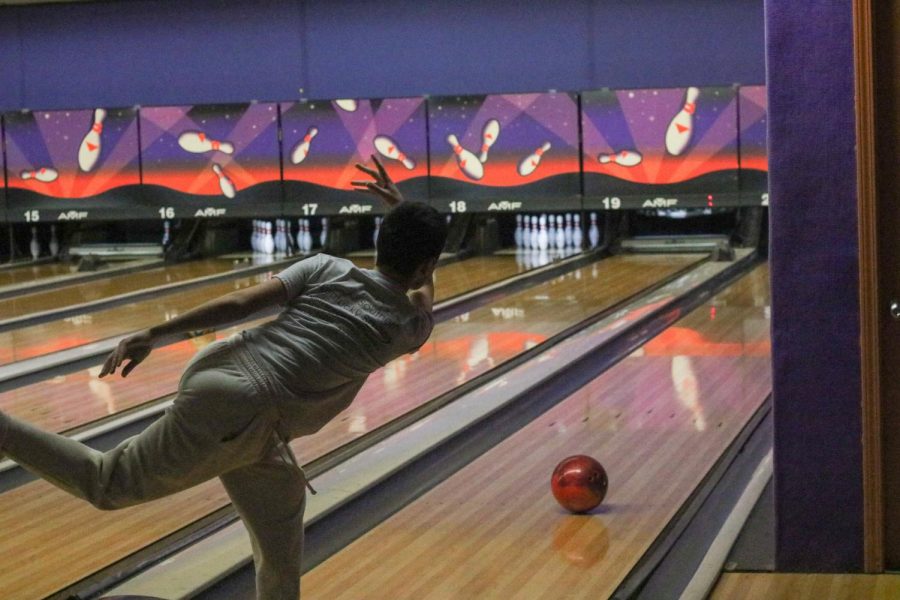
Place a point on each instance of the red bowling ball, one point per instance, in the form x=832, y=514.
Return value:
x=579, y=483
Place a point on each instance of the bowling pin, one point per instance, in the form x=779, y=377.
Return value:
x=89, y=150
x=268, y=240
x=300, y=235
x=489, y=134
x=468, y=162
x=279, y=236
x=307, y=237
x=35, y=246
x=301, y=150
x=225, y=183
x=323, y=235
x=568, y=230
x=577, y=235
x=680, y=129
x=260, y=236
x=543, y=237
x=388, y=147
x=531, y=162
x=594, y=231
x=551, y=231
x=44, y=175
x=254, y=237
x=625, y=158
x=560, y=233
x=535, y=232
x=517, y=235
x=197, y=142
x=166, y=233
x=54, y=243
x=346, y=104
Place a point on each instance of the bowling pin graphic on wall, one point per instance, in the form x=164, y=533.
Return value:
x=625, y=158
x=44, y=175
x=196, y=142
x=347, y=105
x=89, y=150
x=468, y=163
x=531, y=162
x=489, y=134
x=301, y=150
x=388, y=148
x=681, y=128
x=225, y=183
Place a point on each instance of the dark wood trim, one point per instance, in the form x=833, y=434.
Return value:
x=873, y=500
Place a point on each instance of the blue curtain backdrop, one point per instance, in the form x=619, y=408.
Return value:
x=159, y=52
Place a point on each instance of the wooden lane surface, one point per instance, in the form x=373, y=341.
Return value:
x=72, y=400
x=53, y=336
x=61, y=334
x=89, y=291
x=28, y=272
x=806, y=586
x=54, y=540
x=657, y=421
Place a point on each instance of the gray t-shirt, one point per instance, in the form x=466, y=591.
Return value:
x=340, y=323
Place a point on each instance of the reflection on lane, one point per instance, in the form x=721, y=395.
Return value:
x=497, y=516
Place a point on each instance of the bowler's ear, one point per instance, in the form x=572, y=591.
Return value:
x=427, y=266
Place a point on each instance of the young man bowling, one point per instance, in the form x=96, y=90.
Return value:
x=241, y=400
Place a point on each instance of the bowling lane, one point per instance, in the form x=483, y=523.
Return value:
x=658, y=421
x=459, y=349
x=27, y=272
x=90, y=291
x=53, y=336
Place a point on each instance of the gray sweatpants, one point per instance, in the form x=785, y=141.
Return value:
x=223, y=423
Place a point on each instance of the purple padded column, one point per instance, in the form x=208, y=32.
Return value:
x=815, y=309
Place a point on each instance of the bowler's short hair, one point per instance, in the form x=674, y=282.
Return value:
x=410, y=234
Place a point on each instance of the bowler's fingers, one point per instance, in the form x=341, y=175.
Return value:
x=130, y=367
x=107, y=366
x=112, y=362
x=371, y=172
x=384, y=176
x=373, y=188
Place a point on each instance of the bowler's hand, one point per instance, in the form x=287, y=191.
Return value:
x=134, y=348
x=382, y=185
